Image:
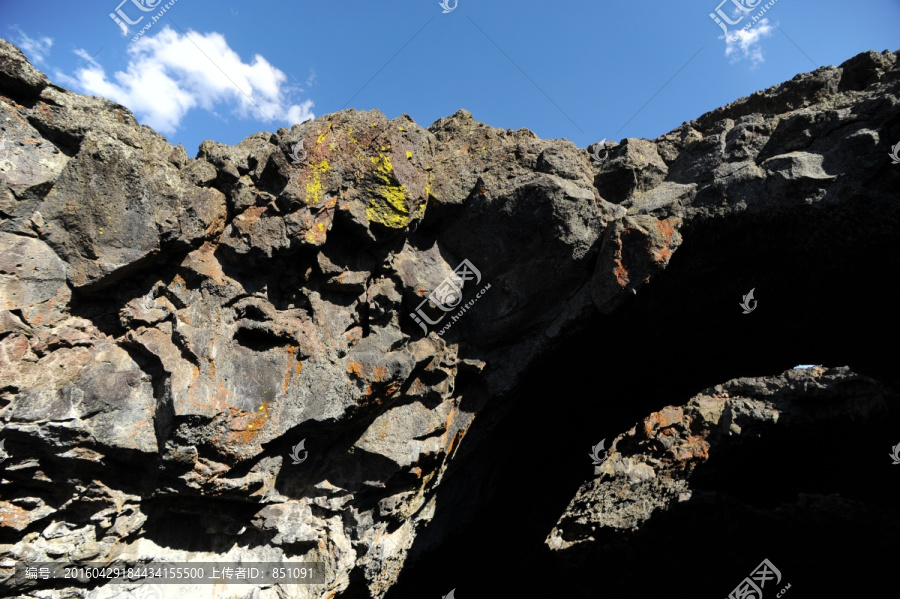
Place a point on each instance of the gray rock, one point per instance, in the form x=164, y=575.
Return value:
x=171, y=327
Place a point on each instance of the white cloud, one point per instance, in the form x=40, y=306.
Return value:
x=36, y=50
x=744, y=43
x=170, y=73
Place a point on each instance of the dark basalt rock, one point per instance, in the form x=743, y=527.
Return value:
x=743, y=467
x=171, y=327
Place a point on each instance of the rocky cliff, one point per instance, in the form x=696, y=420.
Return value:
x=345, y=342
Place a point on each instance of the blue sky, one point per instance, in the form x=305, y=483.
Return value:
x=584, y=71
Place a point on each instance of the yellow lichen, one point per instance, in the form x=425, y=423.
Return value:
x=428, y=184
x=388, y=205
x=314, y=187
x=420, y=211
x=321, y=137
x=350, y=136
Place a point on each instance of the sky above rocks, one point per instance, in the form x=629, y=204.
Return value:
x=584, y=71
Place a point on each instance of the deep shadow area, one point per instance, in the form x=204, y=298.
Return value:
x=200, y=523
x=817, y=501
x=818, y=278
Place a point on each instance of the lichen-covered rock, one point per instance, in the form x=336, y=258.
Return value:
x=172, y=328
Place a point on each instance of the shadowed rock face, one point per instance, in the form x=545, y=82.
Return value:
x=757, y=468
x=172, y=327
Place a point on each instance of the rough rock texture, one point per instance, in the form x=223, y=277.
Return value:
x=724, y=461
x=649, y=468
x=170, y=327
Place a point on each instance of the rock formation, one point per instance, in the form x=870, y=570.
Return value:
x=311, y=346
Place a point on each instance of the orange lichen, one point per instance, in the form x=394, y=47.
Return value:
x=665, y=228
x=666, y=417
x=694, y=448
x=663, y=254
x=221, y=393
x=245, y=427
x=355, y=368
x=12, y=516
x=380, y=373
x=620, y=272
